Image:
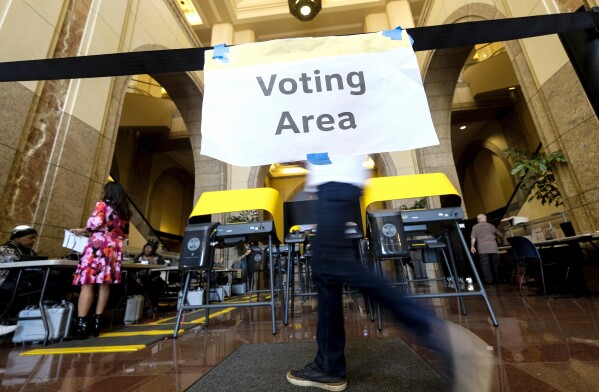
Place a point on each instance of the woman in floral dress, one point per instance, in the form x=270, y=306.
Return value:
x=100, y=264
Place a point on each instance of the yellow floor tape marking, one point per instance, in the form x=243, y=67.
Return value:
x=232, y=300
x=243, y=299
x=220, y=312
x=212, y=315
x=133, y=347
x=137, y=333
x=84, y=350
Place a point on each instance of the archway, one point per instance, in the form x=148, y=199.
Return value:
x=170, y=203
x=443, y=68
x=184, y=89
x=383, y=162
x=485, y=178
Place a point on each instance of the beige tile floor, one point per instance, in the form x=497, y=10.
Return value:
x=540, y=345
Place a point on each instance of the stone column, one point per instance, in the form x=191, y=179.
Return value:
x=399, y=13
x=222, y=33
x=245, y=37
x=376, y=22
x=29, y=179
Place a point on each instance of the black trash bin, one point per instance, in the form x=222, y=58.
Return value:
x=197, y=249
x=387, y=235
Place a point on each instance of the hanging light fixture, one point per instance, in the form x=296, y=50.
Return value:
x=305, y=10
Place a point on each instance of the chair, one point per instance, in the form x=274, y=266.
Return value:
x=514, y=262
x=527, y=255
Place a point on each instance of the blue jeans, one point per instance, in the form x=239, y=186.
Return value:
x=336, y=261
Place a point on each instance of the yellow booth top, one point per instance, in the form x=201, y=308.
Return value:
x=407, y=187
x=219, y=202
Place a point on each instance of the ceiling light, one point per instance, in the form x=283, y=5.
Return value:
x=463, y=127
x=190, y=12
x=305, y=10
x=193, y=18
x=512, y=88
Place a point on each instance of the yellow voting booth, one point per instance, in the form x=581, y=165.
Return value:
x=381, y=189
x=218, y=202
x=202, y=236
x=391, y=226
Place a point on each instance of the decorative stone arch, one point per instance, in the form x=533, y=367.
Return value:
x=439, y=84
x=383, y=162
x=257, y=176
x=443, y=68
x=471, y=151
x=466, y=167
x=184, y=89
x=173, y=172
x=182, y=178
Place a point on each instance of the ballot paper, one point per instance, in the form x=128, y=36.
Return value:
x=74, y=242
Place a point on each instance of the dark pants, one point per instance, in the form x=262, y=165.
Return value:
x=488, y=265
x=336, y=261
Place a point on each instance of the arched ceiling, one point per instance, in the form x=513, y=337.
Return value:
x=270, y=19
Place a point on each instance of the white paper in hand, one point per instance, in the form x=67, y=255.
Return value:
x=74, y=242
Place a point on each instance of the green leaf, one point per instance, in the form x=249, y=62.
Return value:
x=536, y=175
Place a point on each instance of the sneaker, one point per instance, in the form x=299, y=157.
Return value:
x=6, y=329
x=312, y=376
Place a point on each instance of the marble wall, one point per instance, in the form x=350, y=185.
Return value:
x=57, y=138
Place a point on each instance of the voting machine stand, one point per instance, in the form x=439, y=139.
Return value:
x=300, y=219
x=201, y=239
x=444, y=219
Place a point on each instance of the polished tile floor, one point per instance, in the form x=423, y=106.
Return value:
x=540, y=345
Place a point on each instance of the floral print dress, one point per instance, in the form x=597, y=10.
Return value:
x=101, y=259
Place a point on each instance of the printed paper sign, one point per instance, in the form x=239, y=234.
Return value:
x=279, y=101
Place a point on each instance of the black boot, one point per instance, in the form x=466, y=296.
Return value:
x=97, y=320
x=82, y=329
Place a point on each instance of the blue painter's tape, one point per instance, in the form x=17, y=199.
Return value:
x=395, y=34
x=220, y=52
x=321, y=158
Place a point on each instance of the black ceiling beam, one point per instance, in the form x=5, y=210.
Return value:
x=497, y=30
x=192, y=59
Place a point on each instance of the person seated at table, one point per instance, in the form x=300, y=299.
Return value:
x=20, y=248
x=146, y=280
x=22, y=239
x=20, y=245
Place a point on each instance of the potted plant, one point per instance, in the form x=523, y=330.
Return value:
x=536, y=175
